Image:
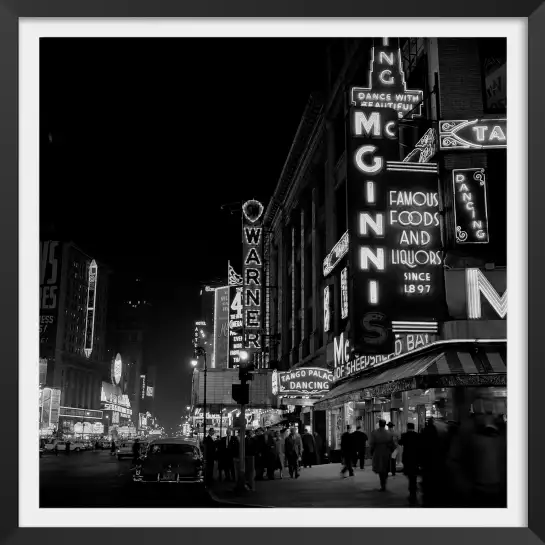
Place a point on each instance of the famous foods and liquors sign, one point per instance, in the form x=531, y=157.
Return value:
x=393, y=209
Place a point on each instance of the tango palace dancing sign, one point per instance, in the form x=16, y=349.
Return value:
x=306, y=381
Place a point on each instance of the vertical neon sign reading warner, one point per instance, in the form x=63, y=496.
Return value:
x=252, y=232
x=372, y=142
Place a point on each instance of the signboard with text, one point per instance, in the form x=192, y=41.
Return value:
x=470, y=208
x=236, y=310
x=305, y=381
x=464, y=134
x=345, y=364
x=221, y=328
x=50, y=281
x=253, y=280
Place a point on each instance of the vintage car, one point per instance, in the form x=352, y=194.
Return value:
x=170, y=460
x=60, y=446
x=124, y=449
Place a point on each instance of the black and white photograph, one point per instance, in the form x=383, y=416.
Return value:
x=273, y=272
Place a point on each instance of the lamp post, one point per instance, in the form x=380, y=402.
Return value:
x=200, y=351
x=241, y=482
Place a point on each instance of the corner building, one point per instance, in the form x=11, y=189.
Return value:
x=394, y=280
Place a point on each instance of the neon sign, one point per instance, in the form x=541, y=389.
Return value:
x=345, y=364
x=337, y=253
x=235, y=344
x=327, y=310
x=116, y=371
x=424, y=149
x=252, y=230
x=470, y=208
x=90, y=314
x=474, y=134
x=393, y=209
x=234, y=278
x=305, y=381
x=344, y=293
x=387, y=87
x=476, y=285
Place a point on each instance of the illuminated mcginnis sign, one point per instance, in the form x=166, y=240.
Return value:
x=393, y=212
x=305, y=381
x=252, y=231
x=463, y=134
x=470, y=208
x=337, y=253
x=387, y=88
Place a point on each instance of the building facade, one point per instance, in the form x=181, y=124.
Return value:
x=73, y=355
x=386, y=250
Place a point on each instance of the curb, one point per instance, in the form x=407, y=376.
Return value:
x=249, y=505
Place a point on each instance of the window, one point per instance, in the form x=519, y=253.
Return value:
x=493, y=56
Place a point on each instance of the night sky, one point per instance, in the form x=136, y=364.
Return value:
x=141, y=143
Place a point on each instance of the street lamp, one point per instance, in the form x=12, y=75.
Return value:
x=200, y=351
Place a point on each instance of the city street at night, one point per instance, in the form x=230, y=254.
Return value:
x=97, y=479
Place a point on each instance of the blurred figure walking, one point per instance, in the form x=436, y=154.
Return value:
x=410, y=441
x=360, y=442
x=381, y=446
x=294, y=451
x=347, y=452
x=309, y=449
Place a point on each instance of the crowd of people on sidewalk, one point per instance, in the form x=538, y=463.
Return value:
x=266, y=453
x=460, y=465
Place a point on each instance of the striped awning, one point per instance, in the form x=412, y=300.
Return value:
x=453, y=366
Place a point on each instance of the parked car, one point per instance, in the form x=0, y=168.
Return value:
x=76, y=446
x=171, y=460
x=124, y=449
x=105, y=445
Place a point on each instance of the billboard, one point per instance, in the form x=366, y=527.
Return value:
x=50, y=281
x=50, y=407
x=474, y=134
x=220, y=358
x=393, y=210
x=219, y=384
x=236, y=327
x=253, y=294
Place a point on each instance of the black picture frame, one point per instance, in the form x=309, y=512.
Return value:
x=12, y=10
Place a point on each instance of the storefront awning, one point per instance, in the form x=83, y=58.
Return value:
x=443, y=367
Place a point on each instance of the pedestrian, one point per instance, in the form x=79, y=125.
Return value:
x=410, y=441
x=270, y=455
x=112, y=448
x=309, y=449
x=226, y=456
x=260, y=454
x=97, y=445
x=319, y=447
x=280, y=458
x=135, y=451
x=249, y=460
x=360, y=442
x=294, y=451
x=381, y=447
x=56, y=449
x=393, y=458
x=67, y=448
x=209, y=456
x=347, y=452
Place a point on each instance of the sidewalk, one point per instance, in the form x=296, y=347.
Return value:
x=321, y=486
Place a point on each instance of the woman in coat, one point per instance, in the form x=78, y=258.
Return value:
x=280, y=461
x=381, y=447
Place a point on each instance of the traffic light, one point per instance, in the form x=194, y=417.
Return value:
x=241, y=393
x=245, y=372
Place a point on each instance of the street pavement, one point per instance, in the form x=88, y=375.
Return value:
x=97, y=479
x=321, y=486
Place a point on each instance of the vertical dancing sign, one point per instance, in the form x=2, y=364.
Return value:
x=393, y=210
x=252, y=233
